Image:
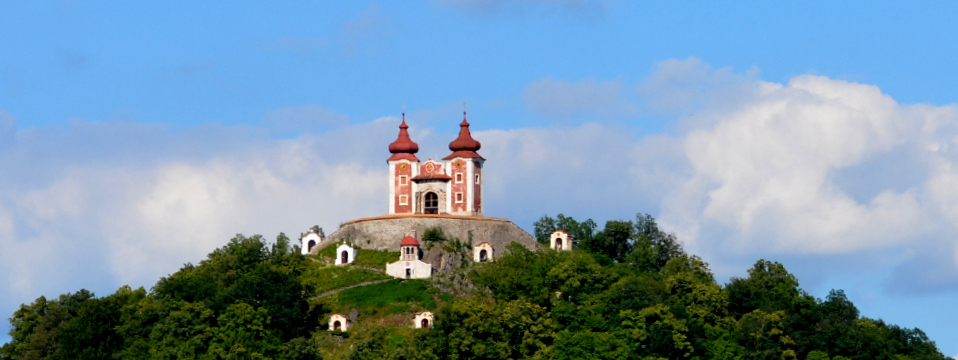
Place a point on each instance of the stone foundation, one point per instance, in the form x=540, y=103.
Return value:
x=386, y=232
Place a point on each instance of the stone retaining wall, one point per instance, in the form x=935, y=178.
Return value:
x=386, y=232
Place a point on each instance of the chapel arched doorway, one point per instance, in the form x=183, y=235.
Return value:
x=337, y=326
x=425, y=323
x=310, y=244
x=431, y=203
x=344, y=257
x=558, y=244
x=483, y=256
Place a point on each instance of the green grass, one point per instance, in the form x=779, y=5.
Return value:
x=391, y=297
x=368, y=258
x=325, y=278
x=375, y=258
x=328, y=251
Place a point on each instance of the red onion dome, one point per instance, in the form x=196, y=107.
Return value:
x=403, y=143
x=464, y=145
x=464, y=142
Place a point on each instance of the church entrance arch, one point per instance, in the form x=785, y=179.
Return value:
x=483, y=256
x=558, y=244
x=425, y=323
x=344, y=257
x=309, y=246
x=337, y=326
x=431, y=203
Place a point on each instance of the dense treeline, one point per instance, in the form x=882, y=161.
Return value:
x=629, y=291
x=245, y=301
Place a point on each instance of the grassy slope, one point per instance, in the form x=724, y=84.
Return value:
x=385, y=306
x=323, y=278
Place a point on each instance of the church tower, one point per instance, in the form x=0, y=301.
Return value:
x=465, y=167
x=403, y=166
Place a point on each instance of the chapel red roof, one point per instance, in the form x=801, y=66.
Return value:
x=409, y=241
x=403, y=147
x=464, y=146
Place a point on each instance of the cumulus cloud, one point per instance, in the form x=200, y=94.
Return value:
x=96, y=205
x=766, y=173
x=813, y=170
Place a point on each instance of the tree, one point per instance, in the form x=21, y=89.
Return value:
x=763, y=336
x=183, y=334
x=477, y=329
x=300, y=349
x=656, y=332
x=247, y=270
x=768, y=287
x=37, y=327
x=590, y=345
x=242, y=333
x=651, y=247
x=614, y=241
x=92, y=333
x=522, y=274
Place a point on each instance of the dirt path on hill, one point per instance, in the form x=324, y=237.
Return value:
x=330, y=292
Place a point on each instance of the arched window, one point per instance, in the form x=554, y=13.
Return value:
x=425, y=323
x=558, y=243
x=431, y=203
x=309, y=245
x=483, y=256
x=337, y=326
x=344, y=257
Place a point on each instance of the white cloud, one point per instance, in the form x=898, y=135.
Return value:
x=92, y=207
x=771, y=163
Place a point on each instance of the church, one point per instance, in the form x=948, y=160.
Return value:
x=451, y=186
x=444, y=193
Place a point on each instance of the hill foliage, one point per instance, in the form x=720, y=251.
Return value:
x=629, y=291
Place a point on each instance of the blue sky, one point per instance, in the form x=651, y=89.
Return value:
x=137, y=137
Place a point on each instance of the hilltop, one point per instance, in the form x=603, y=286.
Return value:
x=627, y=291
